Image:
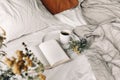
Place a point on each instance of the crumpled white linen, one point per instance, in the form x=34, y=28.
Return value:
x=98, y=11
x=104, y=50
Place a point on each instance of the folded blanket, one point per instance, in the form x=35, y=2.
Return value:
x=104, y=50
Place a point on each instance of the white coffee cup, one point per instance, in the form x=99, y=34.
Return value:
x=65, y=36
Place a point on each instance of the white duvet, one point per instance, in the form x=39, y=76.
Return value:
x=98, y=11
x=22, y=17
x=69, y=71
x=103, y=54
x=28, y=21
x=78, y=69
x=104, y=50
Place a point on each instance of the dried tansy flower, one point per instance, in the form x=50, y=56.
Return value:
x=25, y=68
x=16, y=68
x=42, y=77
x=29, y=63
x=9, y=62
x=23, y=62
x=20, y=54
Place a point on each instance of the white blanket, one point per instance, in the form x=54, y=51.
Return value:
x=98, y=11
x=105, y=40
x=104, y=50
x=78, y=69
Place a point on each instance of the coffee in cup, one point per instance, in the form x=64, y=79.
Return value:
x=65, y=36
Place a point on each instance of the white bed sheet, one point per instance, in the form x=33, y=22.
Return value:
x=72, y=17
x=78, y=69
x=32, y=39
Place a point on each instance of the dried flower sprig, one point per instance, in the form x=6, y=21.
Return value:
x=2, y=38
x=78, y=46
x=32, y=56
x=30, y=60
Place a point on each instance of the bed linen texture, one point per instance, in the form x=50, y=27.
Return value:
x=33, y=39
x=77, y=69
x=21, y=17
x=104, y=50
x=69, y=71
x=103, y=15
x=98, y=11
x=31, y=29
x=72, y=17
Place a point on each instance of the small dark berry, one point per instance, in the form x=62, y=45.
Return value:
x=26, y=74
x=23, y=43
x=26, y=49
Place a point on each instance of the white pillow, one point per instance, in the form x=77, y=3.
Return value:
x=20, y=17
x=72, y=17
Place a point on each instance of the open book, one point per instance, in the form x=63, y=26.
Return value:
x=53, y=53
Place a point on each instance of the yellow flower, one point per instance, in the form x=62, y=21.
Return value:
x=42, y=77
x=16, y=69
x=9, y=62
x=75, y=49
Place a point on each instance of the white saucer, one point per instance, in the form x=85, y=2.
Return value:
x=55, y=35
x=51, y=35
